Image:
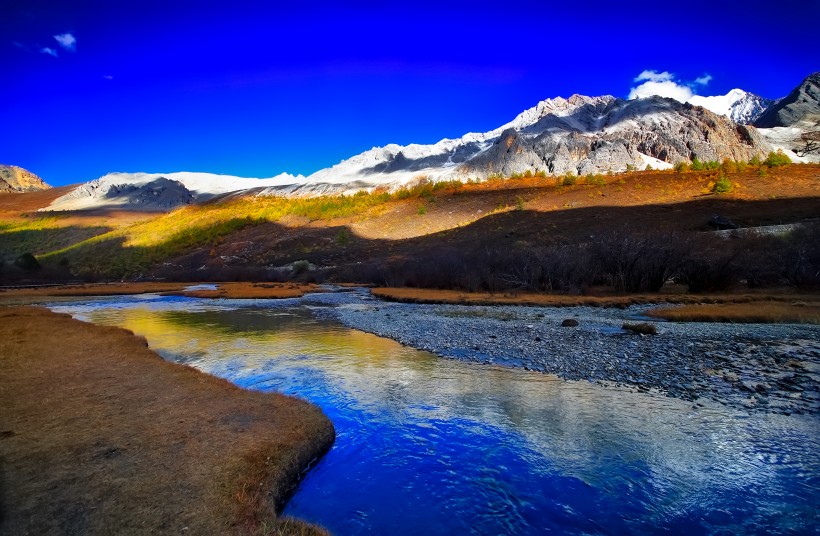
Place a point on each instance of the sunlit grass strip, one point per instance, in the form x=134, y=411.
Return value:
x=754, y=312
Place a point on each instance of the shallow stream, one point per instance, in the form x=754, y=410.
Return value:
x=438, y=446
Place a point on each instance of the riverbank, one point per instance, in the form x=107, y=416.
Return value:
x=236, y=290
x=756, y=367
x=754, y=308
x=100, y=435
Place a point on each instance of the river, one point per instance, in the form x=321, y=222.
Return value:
x=439, y=446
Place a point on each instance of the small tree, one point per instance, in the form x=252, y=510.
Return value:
x=777, y=159
x=811, y=143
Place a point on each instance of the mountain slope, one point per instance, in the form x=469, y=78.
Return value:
x=801, y=105
x=158, y=191
x=17, y=179
x=579, y=135
x=740, y=106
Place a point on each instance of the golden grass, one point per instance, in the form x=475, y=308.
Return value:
x=249, y=291
x=753, y=312
x=747, y=308
x=99, y=436
x=92, y=289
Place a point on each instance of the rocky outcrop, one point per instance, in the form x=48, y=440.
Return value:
x=799, y=106
x=17, y=179
x=159, y=194
x=614, y=134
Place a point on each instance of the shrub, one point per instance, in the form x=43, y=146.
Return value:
x=682, y=167
x=697, y=165
x=569, y=180
x=722, y=186
x=777, y=159
x=422, y=210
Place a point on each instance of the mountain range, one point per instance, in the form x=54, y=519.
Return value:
x=579, y=135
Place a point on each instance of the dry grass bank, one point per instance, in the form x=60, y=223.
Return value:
x=426, y=295
x=249, y=291
x=753, y=312
x=742, y=308
x=101, y=436
x=91, y=289
x=236, y=290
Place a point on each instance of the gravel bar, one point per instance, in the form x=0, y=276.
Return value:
x=761, y=367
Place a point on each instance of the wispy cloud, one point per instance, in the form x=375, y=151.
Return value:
x=665, y=84
x=67, y=41
x=703, y=80
x=108, y=77
x=49, y=51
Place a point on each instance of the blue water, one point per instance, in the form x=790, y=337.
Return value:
x=434, y=446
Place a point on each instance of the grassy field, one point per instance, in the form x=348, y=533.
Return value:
x=101, y=436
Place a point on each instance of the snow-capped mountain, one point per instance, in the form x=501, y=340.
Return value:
x=740, y=106
x=159, y=191
x=579, y=135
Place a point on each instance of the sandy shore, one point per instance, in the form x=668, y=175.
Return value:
x=100, y=435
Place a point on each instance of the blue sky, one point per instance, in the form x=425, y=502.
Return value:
x=259, y=88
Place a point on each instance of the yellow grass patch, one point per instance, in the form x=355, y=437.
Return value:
x=753, y=312
x=807, y=305
x=245, y=291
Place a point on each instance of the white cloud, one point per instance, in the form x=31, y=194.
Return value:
x=49, y=51
x=108, y=77
x=654, y=76
x=664, y=84
x=703, y=80
x=67, y=41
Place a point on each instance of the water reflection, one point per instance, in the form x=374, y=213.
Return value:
x=433, y=445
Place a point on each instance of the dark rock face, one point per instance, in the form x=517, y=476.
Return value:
x=801, y=104
x=159, y=194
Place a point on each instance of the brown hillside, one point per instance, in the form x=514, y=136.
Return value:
x=524, y=212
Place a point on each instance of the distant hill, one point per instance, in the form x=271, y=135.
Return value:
x=17, y=179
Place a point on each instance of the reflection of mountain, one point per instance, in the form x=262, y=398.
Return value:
x=479, y=444
x=578, y=425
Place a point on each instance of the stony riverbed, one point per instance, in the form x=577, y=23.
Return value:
x=761, y=367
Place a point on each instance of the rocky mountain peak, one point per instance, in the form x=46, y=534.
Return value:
x=17, y=179
x=802, y=105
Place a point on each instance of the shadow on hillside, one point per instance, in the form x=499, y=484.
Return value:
x=627, y=248
x=14, y=243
